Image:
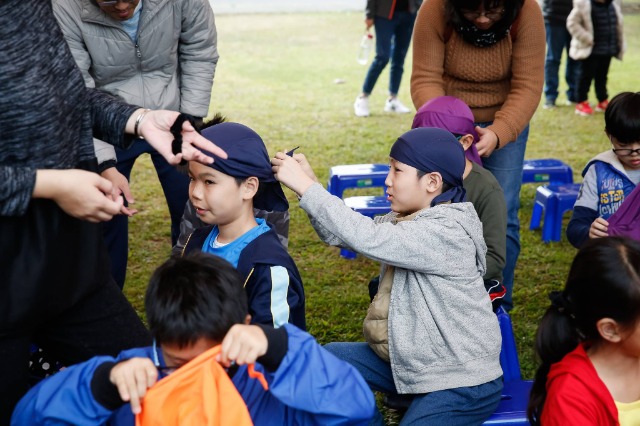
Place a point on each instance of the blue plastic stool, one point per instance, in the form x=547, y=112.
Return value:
x=553, y=201
x=356, y=176
x=508, y=352
x=367, y=206
x=512, y=409
x=546, y=170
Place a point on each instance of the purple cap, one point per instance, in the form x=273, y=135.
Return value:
x=452, y=114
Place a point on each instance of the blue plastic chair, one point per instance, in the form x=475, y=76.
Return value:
x=546, y=170
x=512, y=409
x=552, y=201
x=356, y=176
x=368, y=206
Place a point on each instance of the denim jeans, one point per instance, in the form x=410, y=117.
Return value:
x=175, y=186
x=595, y=68
x=470, y=405
x=506, y=165
x=558, y=39
x=392, y=41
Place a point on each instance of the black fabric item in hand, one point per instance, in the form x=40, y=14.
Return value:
x=176, y=131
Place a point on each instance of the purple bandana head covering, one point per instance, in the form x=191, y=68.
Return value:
x=247, y=156
x=452, y=114
x=434, y=150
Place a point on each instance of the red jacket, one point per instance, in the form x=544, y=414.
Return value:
x=576, y=395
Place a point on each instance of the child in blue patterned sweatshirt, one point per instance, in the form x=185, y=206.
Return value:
x=611, y=175
x=430, y=329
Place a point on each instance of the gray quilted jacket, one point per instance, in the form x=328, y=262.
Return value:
x=171, y=66
x=443, y=333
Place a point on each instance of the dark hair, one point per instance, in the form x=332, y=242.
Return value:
x=196, y=296
x=622, y=117
x=512, y=8
x=604, y=282
x=218, y=118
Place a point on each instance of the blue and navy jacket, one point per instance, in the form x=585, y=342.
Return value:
x=604, y=188
x=310, y=386
x=272, y=281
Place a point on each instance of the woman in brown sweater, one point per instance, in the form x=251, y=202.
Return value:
x=490, y=54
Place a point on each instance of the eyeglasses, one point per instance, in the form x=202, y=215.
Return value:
x=109, y=3
x=492, y=14
x=165, y=371
x=625, y=151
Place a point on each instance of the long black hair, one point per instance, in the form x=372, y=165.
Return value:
x=622, y=117
x=604, y=282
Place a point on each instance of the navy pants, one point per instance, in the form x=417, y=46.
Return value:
x=558, y=39
x=175, y=186
x=392, y=42
x=464, y=406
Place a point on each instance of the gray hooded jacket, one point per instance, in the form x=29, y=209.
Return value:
x=170, y=66
x=443, y=333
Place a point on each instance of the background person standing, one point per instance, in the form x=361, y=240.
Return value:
x=555, y=14
x=153, y=53
x=393, y=21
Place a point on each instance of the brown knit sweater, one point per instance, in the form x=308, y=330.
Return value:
x=501, y=83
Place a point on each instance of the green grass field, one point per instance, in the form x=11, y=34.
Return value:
x=293, y=78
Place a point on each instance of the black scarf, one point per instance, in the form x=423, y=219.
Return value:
x=481, y=38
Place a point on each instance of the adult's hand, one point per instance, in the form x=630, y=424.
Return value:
x=487, y=142
x=155, y=128
x=120, y=189
x=81, y=194
x=368, y=23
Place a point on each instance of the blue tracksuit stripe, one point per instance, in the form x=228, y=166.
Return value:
x=279, y=292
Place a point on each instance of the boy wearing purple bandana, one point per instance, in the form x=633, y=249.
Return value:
x=224, y=194
x=430, y=329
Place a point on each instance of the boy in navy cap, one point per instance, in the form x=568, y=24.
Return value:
x=430, y=331
x=224, y=195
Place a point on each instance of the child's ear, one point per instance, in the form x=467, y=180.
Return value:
x=466, y=141
x=250, y=187
x=609, y=330
x=433, y=182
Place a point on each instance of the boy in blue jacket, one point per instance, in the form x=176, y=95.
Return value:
x=224, y=194
x=192, y=304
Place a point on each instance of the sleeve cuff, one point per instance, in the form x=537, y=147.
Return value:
x=106, y=165
x=278, y=345
x=105, y=392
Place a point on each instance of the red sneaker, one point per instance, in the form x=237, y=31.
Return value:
x=602, y=105
x=584, y=109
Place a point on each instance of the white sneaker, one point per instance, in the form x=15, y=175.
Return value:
x=361, y=106
x=394, y=105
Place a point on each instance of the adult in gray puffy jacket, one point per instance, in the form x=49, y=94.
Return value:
x=153, y=53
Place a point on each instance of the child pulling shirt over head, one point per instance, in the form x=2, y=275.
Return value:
x=435, y=335
x=588, y=341
x=194, y=304
x=224, y=194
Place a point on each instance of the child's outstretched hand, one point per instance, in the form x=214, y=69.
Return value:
x=243, y=344
x=306, y=167
x=599, y=228
x=132, y=378
x=290, y=172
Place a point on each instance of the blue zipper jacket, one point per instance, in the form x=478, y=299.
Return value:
x=272, y=281
x=309, y=387
x=604, y=188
